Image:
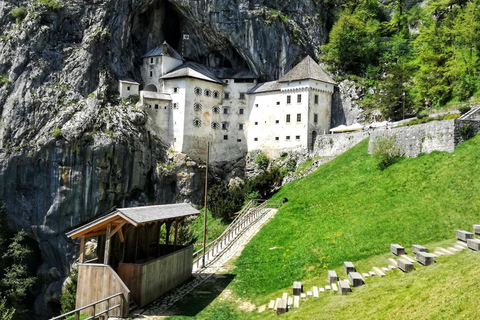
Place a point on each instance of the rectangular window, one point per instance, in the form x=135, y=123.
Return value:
x=227, y=81
x=242, y=95
x=278, y=103
x=289, y=99
x=277, y=138
x=288, y=118
x=240, y=111
x=224, y=126
x=315, y=118
x=297, y=137
x=227, y=95
x=316, y=99
x=299, y=98
x=239, y=140
x=225, y=137
x=151, y=74
x=240, y=126
x=255, y=139
x=225, y=110
x=287, y=138
x=277, y=121
x=256, y=123
x=256, y=105
x=150, y=106
x=156, y=107
x=128, y=88
x=151, y=60
x=299, y=117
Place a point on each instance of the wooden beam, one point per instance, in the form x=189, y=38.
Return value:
x=117, y=228
x=82, y=250
x=94, y=234
x=176, y=235
x=120, y=235
x=167, y=226
x=107, y=245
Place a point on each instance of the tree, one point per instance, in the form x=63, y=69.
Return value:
x=223, y=202
x=5, y=313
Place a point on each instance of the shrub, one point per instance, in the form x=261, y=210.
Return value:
x=262, y=161
x=291, y=165
x=223, y=202
x=57, y=133
x=252, y=195
x=422, y=114
x=68, y=298
x=265, y=183
x=464, y=109
x=52, y=4
x=467, y=131
x=386, y=152
x=133, y=99
x=19, y=14
x=4, y=79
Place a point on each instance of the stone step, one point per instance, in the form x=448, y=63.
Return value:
x=385, y=269
x=438, y=253
x=372, y=274
x=285, y=296
x=391, y=267
x=453, y=249
x=303, y=295
x=459, y=248
x=379, y=272
x=461, y=243
x=476, y=229
x=444, y=251
x=365, y=275
x=290, y=301
x=309, y=293
x=277, y=303
x=321, y=289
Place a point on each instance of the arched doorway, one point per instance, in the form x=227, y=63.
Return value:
x=151, y=87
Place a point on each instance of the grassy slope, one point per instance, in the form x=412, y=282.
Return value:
x=348, y=210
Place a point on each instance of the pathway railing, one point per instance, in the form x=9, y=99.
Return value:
x=250, y=214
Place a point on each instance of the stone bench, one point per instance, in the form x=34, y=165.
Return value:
x=425, y=258
x=349, y=267
x=297, y=288
x=463, y=235
x=332, y=276
x=356, y=279
x=473, y=244
x=418, y=248
x=397, y=249
x=344, y=287
x=476, y=229
x=404, y=265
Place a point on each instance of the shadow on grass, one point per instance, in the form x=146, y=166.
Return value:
x=196, y=301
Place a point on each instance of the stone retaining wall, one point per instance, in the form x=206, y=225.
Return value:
x=331, y=145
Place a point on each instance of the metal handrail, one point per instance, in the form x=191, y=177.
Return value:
x=92, y=305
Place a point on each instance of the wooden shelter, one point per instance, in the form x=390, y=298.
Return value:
x=131, y=258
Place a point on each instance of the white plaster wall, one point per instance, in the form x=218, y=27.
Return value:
x=124, y=92
x=161, y=65
x=177, y=121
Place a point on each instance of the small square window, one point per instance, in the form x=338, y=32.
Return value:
x=175, y=90
x=255, y=139
x=240, y=126
x=224, y=126
x=299, y=117
x=225, y=137
x=299, y=98
x=278, y=103
x=277, y=138
x=287, y=118
x=227, y=81
x=240, y=111
x=315, y=118
x=289, y=99
x=256, y=105
x=277, y=121
x=297, y=137
x=287, y=137
x=256, y=123
x=316, y=99
x=225, y=110
x=227, y=95
x=239, y=140
x=242, y=95
x=156, y=107
x=128, y=88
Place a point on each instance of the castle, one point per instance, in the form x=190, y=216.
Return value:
x=189, y=104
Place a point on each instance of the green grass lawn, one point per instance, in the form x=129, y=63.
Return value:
x=348, y=210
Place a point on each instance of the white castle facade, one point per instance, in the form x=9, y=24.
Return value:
x=189, y=105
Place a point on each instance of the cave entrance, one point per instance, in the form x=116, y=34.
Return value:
x=171, y=26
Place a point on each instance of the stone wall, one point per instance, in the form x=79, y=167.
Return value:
x=331, y=145
x=459, y=138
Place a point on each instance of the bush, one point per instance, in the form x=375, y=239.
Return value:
x=464, y=109
x=262, y=161
x=68, y=298
x=19, y=14
x=291, y=165
x=223, y=202
x=57, y=133
x=467, y=131
x=386, y=152
x=4, y=79
x=52, y=4
x=422, y=114
x=133, y=99
x=265, y=183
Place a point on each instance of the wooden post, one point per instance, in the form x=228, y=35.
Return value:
x=82, y=250
x=107, y=244
x=168, y=224
x=205, y=205
x=176, y=235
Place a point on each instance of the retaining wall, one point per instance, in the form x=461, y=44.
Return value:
x=331, y=145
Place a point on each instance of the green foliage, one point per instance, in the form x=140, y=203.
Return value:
x=467, y=131
x=52, y=4
x=57, y=133
x=4, y=79
x=262, y=161
x=464, y=109
x=224, y=201
x=5, y=312
x=19, y=14
x=385, y=151
x=133, y=99
x=291, y=165
x=252, y=195
x=68, y=298
x=265, y=183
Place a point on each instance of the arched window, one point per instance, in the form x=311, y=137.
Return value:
x=215, y=109
x=197, y=106
x=215, y=125
x=197, y=123
x=197, y=91
x=216, y=94
x=207, y=93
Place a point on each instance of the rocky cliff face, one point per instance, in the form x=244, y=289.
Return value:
x=69, y=149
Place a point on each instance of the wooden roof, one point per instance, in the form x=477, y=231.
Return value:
x=135, y=216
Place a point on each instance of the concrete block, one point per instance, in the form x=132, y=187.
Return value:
x=461, y=243
x=281, y=306
x=463, y=235
x=290, y=301
x=391, y=267
x=285, y=296
x=372, y=274
x=303, y=295
x=349, y=267
x=405, y=265
x=271, y=305
x=315, y=291
x=397, y=249
x=438, y=253
x=425, y=258
x=459, y=248
x=296, y=301
x=309, y=293
x=454, y=250
x=384, y=269
x=344, y=287
x=365, y=275
x=321, y=290
x=334, y=287
x=297, y=288
x=332, y=276
x=378, y=272
x=393, y=262
x=473, y=244
x=356, y=279
x=404, y=256
x=327, y=288
x=418, y=248
x=476, y=229
x=276, y=303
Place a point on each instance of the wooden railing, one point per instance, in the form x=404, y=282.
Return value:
x=95, y=314
x=250, y=214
